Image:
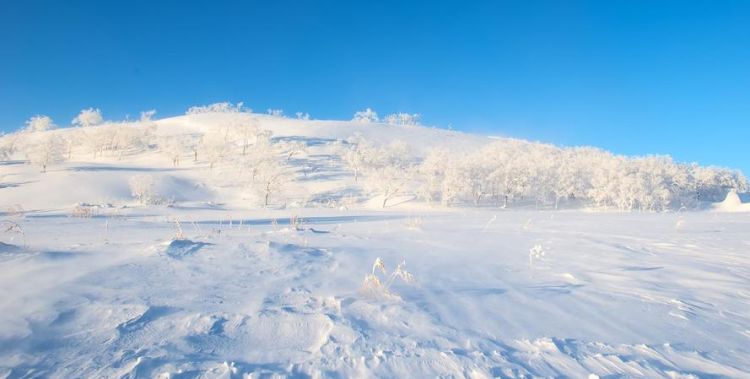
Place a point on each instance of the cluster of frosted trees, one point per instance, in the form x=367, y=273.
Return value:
x=369, y=116
x=511, y=172
x=503, y=173
x=257, y=160
x=242, y=150
x=42, y=145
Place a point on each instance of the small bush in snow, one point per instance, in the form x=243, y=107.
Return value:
x=13, y=229
x=298, y=223
x=143, y=188
x=179, y=235
x=374, y=287
x=15, y=211
x=414, y=223
x=83, y=211
x=535, y=253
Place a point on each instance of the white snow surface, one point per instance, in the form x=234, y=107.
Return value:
x=209, y=287
x=732, y=203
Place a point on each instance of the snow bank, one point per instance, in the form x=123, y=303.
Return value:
x=732, y=203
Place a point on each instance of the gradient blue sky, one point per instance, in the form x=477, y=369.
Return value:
x=633, y=77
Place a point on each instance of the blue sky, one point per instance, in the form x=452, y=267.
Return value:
x=633, y=77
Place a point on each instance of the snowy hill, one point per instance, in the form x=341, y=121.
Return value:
x=216, y=156
x=94, y=171
x=231, y=245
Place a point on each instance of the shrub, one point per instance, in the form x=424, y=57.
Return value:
x=143, y=188
x=83, y=211
x=372, y=286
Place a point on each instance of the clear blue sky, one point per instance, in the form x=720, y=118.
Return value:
x=634, y=77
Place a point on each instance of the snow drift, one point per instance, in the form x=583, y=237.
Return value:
x=733, y=203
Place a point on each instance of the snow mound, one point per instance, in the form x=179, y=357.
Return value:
x=181, y=248
x=8, y=248
x=732, y=203
x=179, y=189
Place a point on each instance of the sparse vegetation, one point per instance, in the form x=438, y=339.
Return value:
x=373, y=286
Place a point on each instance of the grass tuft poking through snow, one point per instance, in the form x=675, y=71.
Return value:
x=13, y=229
x=374, y=287
x=535, y=253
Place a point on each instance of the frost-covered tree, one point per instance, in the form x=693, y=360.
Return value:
x=389, y=171
x=143, y=188
x=174, y=147
x=88, y=117
x=405, y=119
x=509, y=171
x=100, y=139
x=224, y=107
x=354, y=161
x=270, y=178
x=146, y=116
x=193, y=143
x=39, y=123
x=132, y=139
x=8, y=145
x=261, y=150
x=263, y=168
x=366, y=116
x=357, y=156
x=389, y=181
x=45, y=150
x=215, y=145
x=70, y=139
x=246, y=132
x=275, y=112
x=292, y=149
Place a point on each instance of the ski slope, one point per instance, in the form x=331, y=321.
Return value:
x=211, y=286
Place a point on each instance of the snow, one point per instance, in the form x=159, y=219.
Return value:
x=732, y=203
x=209, y=285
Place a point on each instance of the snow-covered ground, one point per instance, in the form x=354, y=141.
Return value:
x=210, y=287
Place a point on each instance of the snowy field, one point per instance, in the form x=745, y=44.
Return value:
x=613, y=295
x=328, y=283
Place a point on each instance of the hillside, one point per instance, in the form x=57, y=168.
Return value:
x=210, y=156
x=237, y=245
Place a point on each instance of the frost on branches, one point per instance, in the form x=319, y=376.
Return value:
x=88, y=117
x=512, y=172
x=366, y=116
x=224, y=107
x=39, y=124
